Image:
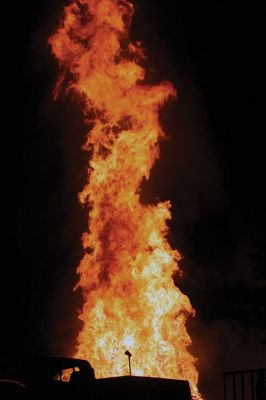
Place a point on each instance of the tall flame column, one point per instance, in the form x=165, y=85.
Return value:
x=130, y=300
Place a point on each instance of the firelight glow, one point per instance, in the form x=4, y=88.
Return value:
x=130, y=299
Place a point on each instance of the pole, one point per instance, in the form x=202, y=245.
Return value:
x=127, y=353
x=224, y=386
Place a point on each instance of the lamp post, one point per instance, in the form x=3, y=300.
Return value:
x=127, y=353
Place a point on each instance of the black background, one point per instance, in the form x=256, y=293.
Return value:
x=211, y=168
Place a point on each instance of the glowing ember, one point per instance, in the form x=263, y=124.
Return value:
x=130, y=300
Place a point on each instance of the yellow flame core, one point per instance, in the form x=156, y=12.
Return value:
x=130, y=300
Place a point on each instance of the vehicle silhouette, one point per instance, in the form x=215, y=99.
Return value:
x=70, y=378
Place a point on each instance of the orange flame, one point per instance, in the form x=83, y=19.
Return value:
x=130, y=300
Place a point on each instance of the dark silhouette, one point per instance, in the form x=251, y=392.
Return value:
x=127, y=353
x=249, y=382
x=261, y=385
x=63, y=378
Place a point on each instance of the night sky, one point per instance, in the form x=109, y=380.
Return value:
x=211, y=168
